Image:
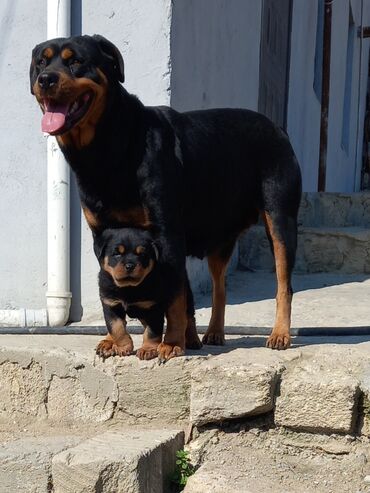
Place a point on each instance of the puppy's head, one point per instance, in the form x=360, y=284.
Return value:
x=128, y=255
x=70, y=78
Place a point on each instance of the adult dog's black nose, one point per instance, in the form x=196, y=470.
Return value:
x=129, y=266
x=48, y=79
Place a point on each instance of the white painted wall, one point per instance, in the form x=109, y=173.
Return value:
x=22, y=160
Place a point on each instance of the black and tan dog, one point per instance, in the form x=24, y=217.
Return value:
x=132, y=282
x=196, y=179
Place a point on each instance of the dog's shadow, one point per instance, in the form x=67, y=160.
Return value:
x=250, y=342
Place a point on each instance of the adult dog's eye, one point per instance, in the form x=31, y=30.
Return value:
x=41, y=63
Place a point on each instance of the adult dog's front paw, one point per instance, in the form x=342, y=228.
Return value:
x=278, y=341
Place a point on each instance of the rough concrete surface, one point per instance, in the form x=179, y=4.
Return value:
x=129, y=462
x=25, y=463
x=53, y=384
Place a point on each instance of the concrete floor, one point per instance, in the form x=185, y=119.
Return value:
x=320, y=300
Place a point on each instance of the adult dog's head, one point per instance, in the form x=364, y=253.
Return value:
x=70, y=78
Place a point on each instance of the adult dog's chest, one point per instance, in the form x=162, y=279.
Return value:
x=113, y=205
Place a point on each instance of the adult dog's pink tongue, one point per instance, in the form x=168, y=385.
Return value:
x=54, y=117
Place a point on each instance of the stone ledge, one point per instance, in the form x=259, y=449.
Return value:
x=317, y=388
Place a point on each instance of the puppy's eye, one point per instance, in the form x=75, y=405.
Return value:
x=41, y=63
x=74, y=64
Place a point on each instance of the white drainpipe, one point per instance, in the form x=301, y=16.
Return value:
x=58, y=296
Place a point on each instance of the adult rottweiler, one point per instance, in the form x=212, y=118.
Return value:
x=195, y=179
x=131, y=282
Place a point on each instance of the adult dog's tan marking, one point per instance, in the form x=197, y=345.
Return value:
x=280, y=336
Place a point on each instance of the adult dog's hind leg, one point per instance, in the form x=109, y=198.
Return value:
x=217, y=263
x=192, y=340
x=283, y=232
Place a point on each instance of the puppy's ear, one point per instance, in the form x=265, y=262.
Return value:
x=112, y=53
x=100, y=242
x=156, y=251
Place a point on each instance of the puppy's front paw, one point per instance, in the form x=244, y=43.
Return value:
x=107, y=347
x=168, y=351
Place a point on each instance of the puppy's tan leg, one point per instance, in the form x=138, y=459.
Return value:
x=118, y=342
x=149, y=348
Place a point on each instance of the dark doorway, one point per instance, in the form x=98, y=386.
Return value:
x=274, y=59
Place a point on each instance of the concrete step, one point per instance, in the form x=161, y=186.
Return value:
x=113, y=462
x=335, y=210
x=344, y=250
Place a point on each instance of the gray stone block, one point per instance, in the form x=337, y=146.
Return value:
x=319, y=394
x=340, y=250
x=335, y=210
x=129, y=462
x=237, y=384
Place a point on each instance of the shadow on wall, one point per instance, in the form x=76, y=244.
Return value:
x=215, y=48
x=75, y=212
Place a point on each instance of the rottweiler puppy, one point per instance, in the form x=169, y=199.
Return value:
x=195, y=180
x=131, y=282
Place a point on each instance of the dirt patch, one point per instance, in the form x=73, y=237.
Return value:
x=256, y=460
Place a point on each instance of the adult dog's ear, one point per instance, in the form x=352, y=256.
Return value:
x=112, y=53
x=156, y=251
x=33, y=74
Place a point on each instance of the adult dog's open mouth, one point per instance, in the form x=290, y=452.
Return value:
x=60, y=117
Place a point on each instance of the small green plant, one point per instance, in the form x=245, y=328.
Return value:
x=183, y=469
x=366, y=407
